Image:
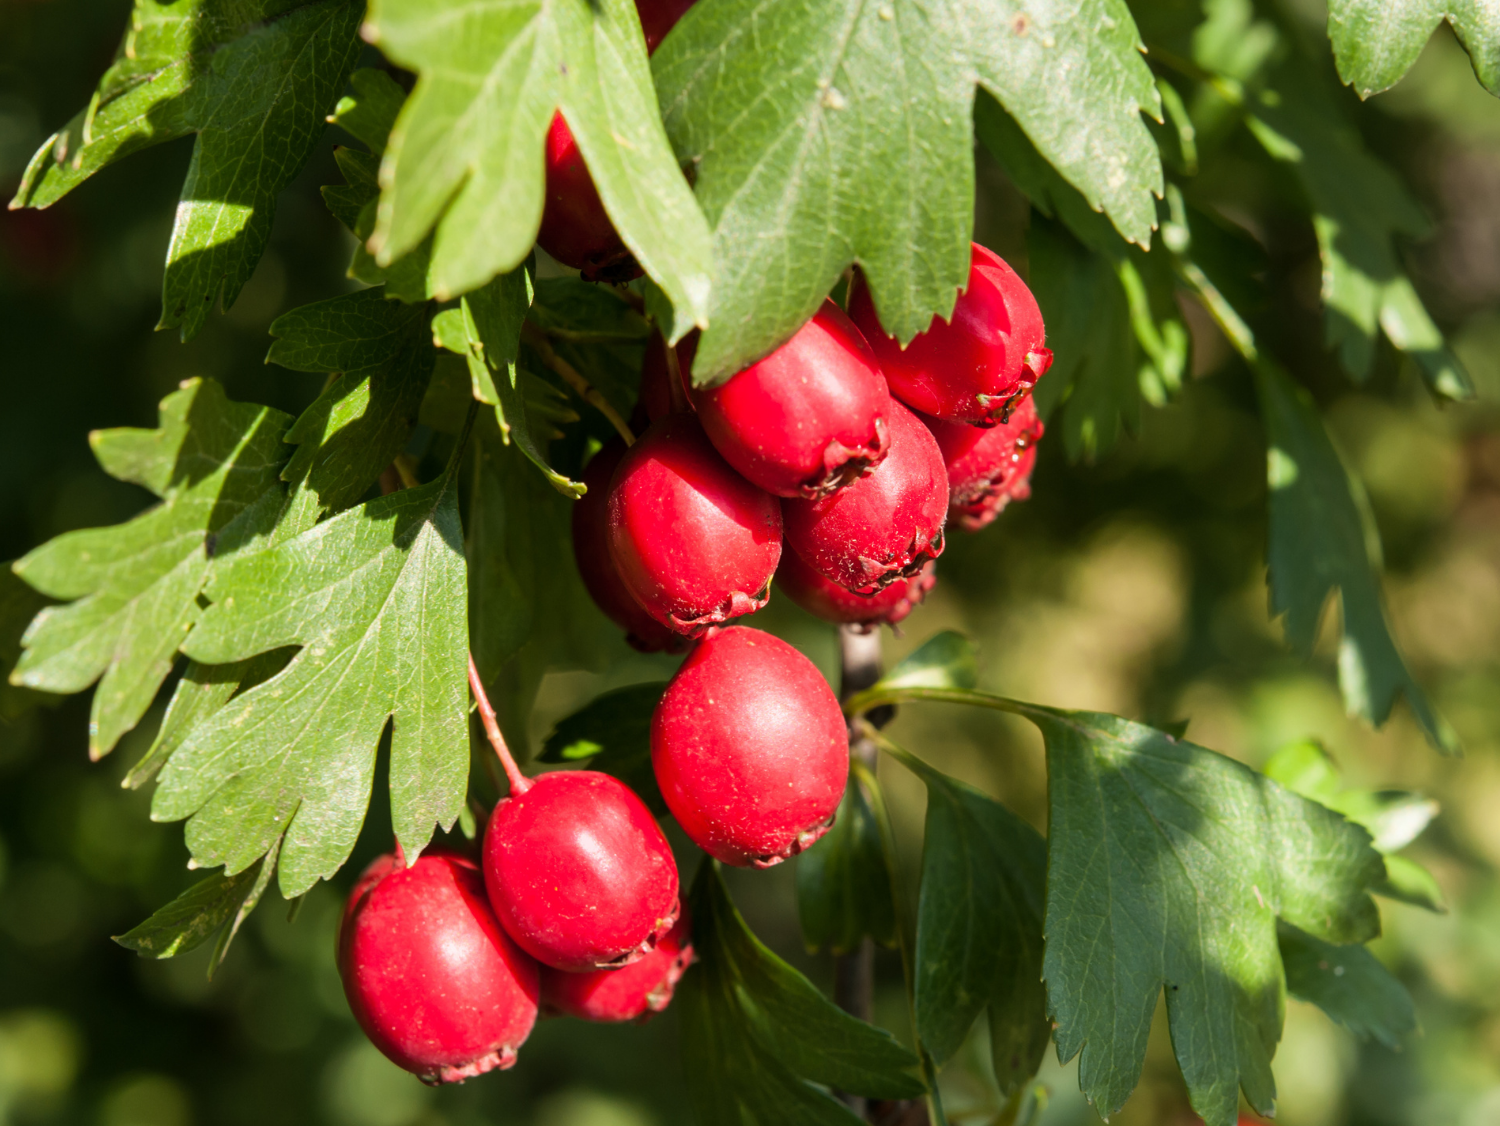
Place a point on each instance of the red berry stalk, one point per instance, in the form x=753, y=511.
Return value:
x=577, y=869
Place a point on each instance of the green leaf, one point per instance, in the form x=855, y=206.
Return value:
x=486, y=330
x=755, y=1030
x=844, y=880
x=945, y=660
x=1349, y=984
x=782, y=108
x=573, y=309
x=254, y=80
x=1409, y=882
x=612, y=733
x=1359, y=208
x=1168, y=868
x=19, y=604
x=191, y=919
x=215, y=465
x=466, y=154
x=979, y=927
x=376, y=599
x=1322, y=540
x=1113, y=322
x=1376, y=41
x=369, y=114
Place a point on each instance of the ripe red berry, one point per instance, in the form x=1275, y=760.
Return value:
x=975, y=366
x=987, y=469
x=575, y=229
x=591, y=552
x=807, y=419
x=637, y=992
x=883, y=527
x=694, y=542
x=432, y=978
x=832, y=603
x=750, y=748
x=578, y=871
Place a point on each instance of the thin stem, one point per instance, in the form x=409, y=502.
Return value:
x=570, y=375
x=519, y=783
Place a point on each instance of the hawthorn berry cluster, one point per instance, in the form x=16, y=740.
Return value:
x=833, y=465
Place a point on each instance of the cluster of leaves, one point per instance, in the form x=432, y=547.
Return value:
x=320, y=580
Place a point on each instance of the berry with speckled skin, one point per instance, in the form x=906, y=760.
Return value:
x=884, y=527
x=809, y=418
x=637, y=992
x=987, y=469
x=750, y=748
x=974, y=367
x=578, y=871
x=431, y=976
x=831, y=602
x=591, y=553
x=694, y=542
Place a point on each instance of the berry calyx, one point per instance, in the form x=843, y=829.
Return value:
x=575, y=228
x=578, y=871
x=590, y=519
x=432, y=978
x=974, y=367
x=831, y=602
x=750, y=748
x=884, y=527
x=637, y=992
x=807, y=419
x=987, y=469
x=694, y=542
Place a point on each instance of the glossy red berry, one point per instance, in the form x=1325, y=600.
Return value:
x=807, y=419
x=591, y=552
x=578, y=871
x=694, y=542
x=750, y=748
x=975, y=366
x=987, y=469
x=575, y=229
x=884, y=527
x=431, y=976
x=636, y=992
x=659, y=17
x=831, y=602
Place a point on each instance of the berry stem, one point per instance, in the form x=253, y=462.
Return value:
x=570, y=375
x=675, y=389
x=519, y=783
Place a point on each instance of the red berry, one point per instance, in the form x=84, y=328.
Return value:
x=807, y=419
x=987, y=469
x=591, y=551
x=694, y=542
x=578, y=871
x=432, y=978
x=832, y=603
x=637, y=992
x=884, y=527
x=750, y=748
x=575, y=229
x=974, y=367
x=659, y=17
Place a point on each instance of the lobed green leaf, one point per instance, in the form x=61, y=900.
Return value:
x=1349, y=984
x=1376, y=41
x=844, y=880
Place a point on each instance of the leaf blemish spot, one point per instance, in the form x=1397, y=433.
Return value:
x=1021, y=24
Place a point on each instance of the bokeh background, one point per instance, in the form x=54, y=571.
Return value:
x=1134, y=585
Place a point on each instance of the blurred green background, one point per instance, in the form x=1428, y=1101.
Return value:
x=1135, y=585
